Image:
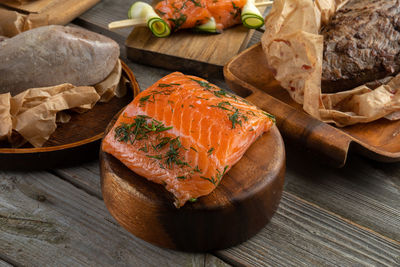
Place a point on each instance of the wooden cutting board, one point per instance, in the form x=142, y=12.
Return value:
x=58, y=11
x=247, y=74
x=197, y=53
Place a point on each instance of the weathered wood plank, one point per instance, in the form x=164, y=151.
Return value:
x=364, y=191
x=303, y=234
x=4, y=264
x=47, y=221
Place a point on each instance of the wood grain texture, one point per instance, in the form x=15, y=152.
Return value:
x=364, y=192
x=47, y=221
x=303, y=234
x=248, y=72
x=251, y=190
x=71, y=142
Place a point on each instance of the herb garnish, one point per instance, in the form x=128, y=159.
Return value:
x=196, y=3
x=196, y=169
x=192, y=148
x=210, y=151
x=235, y=116
x=193, y=199
x=215, y=181
x=179, y=21
x=202, y=83
x=154, y=157
x=272, y=117
x=139, y=129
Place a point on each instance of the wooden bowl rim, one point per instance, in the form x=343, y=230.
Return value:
x=379, y=154
x=135, y=89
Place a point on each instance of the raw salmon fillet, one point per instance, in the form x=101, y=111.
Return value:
x=185, y=133
x=185, y=14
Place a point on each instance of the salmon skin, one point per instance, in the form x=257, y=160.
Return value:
x=185, y=133
x=185, y=14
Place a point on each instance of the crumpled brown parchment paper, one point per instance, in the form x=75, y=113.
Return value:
x=33, y=113
x=294, y=51
x=13, y=22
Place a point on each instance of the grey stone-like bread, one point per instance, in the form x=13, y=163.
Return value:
x=52, y=55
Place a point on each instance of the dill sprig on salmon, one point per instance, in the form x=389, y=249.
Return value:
x=189, y=149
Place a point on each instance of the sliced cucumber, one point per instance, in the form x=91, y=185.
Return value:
x=251, y=16
x=209, y=26
x=157, y=25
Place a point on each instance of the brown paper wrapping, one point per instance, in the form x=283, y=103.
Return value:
x=13, y=22
x=33, y=113
x=294, y=51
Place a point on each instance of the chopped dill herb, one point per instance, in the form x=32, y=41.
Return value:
x=196, y=169
x=172, y=156
x=193, y=199
x=154, y=157
x=211, y=180
x=215, y=181
x=181, y=177
x=164, y=142
x=220, y=93
x=210, y=151
x=179, y=21
x=202, y=83
x=234, y=118
x=160, y=12
x=237, y=10
x=192, y=148
x=164, y=85
x=251, y=112
x=272, y=117
x=144, y=99
x=145, y=149
x=196, y=3
x=191, y=106
x=202, y=98
x=139, y=129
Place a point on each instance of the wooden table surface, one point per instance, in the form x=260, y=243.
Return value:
x=327, y=216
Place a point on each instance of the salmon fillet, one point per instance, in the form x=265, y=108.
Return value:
x=185, y=14
x=185, y=133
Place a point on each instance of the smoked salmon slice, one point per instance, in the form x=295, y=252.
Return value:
x=185, y=133
x=184, y=14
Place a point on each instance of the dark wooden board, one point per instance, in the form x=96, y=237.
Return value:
x=248, y=74
x=200, y=53
x=251, y=189
x=72, y=142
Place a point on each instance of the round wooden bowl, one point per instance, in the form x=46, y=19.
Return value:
x=73, y=142
x=236, y=210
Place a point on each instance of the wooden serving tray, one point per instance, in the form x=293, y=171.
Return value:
x=72, y=142
x=57, y=11
x=198, y=53
x=237, y=209
x=247, y=74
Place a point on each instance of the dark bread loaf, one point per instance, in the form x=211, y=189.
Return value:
x=361, y=44
x=53, y=55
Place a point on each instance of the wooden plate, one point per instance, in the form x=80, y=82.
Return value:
x=247, y=74
x=237, y=209
x=73, y=142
